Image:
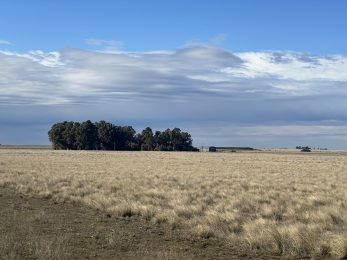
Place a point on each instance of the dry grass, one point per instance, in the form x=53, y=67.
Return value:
x=293, y=205
x=24, y=243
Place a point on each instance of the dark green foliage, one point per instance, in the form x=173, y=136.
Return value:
x=56, y=136
x=70, y=134
x=173, y=140
x=147, y=139
x=86, y=137
x=106, y=136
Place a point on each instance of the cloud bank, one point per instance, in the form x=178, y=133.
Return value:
x=222, y=97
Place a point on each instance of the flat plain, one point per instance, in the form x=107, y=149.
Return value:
x=264, y=204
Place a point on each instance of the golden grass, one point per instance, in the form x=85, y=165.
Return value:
x=293, y=205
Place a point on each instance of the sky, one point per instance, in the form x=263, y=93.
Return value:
x=231, y=73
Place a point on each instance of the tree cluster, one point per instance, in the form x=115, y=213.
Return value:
x=106, y=136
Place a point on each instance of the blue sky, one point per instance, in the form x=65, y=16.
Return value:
x=256, y=73
x=314, y=26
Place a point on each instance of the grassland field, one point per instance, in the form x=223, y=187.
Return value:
x=288, y=205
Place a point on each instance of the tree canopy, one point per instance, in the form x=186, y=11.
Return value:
x=103, y=135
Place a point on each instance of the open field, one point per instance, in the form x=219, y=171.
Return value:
x=285, y=205
x=40, y=228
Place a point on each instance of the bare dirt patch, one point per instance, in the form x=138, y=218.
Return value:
x=38, y=228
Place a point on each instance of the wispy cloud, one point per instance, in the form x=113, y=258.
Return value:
x=105, y=45
x=214, y=41
x=218, y=39
x=4, y=42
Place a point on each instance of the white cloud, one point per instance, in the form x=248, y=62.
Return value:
x=291, y=66
x=191, y=72
x=48, y=59
x=4, y=42
x=267, y=93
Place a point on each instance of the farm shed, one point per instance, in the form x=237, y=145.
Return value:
x=212, y=149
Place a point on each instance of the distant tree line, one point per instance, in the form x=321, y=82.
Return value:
x=106, y=136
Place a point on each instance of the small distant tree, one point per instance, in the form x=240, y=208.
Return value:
x=147, y=139
x=105, y=135
x=128, y=134
x=186, y=142
x=156, y=140
x=165, y=141
x=69, y=135
x=56, y=136
x=86, y=138
x=306, y=149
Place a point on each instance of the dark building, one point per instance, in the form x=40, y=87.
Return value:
x=212, y=149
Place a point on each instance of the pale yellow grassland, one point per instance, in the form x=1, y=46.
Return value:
x=294, y=205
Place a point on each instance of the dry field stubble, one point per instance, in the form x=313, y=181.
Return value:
x=290, y=205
